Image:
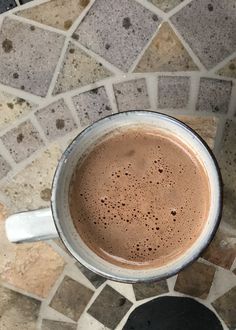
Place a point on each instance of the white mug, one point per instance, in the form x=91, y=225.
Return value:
x=56, y=221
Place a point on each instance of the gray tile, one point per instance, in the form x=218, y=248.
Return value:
x=209, y=29
x=173, y=92
x=214, y=95
x=6, y=5
x=28, y=56
x=165, y=5
x=57, y=325
x=92, y=105
x=22, y=141
x=148, y=290
x=4, y=167
x=17, y=310
x=95, y=279
x=132, y=95
x=117, y=30
x=71, y=298
x=56, y=119
x=226, y=308
x=109, y=307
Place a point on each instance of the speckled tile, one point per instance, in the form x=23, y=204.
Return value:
x=206, y=127
x=28, y=56
x=229, y=70
x=195, y=280
x=60, y=14
x=71, y=298
x=56, y=120
x=165, y=53
x=166, y=5
x=148, y=290
x=226, y=307
x=209, y=29
x=4, y=167
x=132, y=95
x=173, y=92
x=6, y=5
x=17, y=310
x=92, y=105
x=115, y=305
x=221, y=251
x=95, y=279
x=31, y=188
x=57, y=325
x=214, y=95
x=120, y=38
x=78, y=69
x=13, y=108
x=22, y=141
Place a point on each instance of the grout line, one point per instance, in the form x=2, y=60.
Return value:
x=7, y=156
x=21, y=94
x=27, y=5
x=232, y=104
x=178, y=8
x=219, y=135
x=17, y=3
x=36, y=124
x=18, y=290
x=111, y=97
x=223, y=63
x=70, y=104
x=193, y=94
x=148, y=5
x=152, y=91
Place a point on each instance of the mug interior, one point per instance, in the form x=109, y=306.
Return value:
x=88, y=138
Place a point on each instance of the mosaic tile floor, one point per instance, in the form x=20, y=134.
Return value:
x=67, y=63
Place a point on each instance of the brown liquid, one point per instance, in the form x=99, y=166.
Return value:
x=139, y=199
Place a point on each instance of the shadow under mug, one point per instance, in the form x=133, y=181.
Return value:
x=56, y=221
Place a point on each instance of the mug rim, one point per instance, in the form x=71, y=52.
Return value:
x=60, y=166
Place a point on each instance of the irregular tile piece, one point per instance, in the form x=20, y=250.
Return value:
x=132, y=95
x=229, y=70
x=221, y=251
x=92, y=105
x=30, y=189
x=78, y=69
x=109, y=307
x=56, y=119
x=206, y=127
x=173, y=92
x=195, y=280
x=71, y=298
x=57, y=325
x=165, y=5
x=95, y=279
x=22, y=141
x=17, y=310
x=12, y=108
x=227, y=162
x=147, y=290
x=6, y=5
x=60, y=14
x=4, y=167
x=226, y=308
x=120, y=38
x=166, y=313
x=28, y=56
x=214, y=95
x=208, y=27
x=166, y=53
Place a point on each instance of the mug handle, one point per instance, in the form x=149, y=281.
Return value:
x=31, y=226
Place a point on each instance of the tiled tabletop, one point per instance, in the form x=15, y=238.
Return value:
x=63, y=65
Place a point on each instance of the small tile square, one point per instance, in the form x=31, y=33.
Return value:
x=22, y=141
x=120, y=38
x=132, y=95
x=109, y=307
x=56, y=120
x=71, y=298
x=95, y=279
x=92, y=105
x=214, y=95
x=209, y=29
x=173, y=92
x=195, y=280
x=28, y=56
x=148, y=290
x=6, y=5
x=4, y=167
x=57, y=325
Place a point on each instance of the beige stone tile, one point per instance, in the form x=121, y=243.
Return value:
x=165, y=5
x=229, y=70
x=166, y=53
x=31, y=188
x=78, y=69
x=60, y=14
x=12, y=108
